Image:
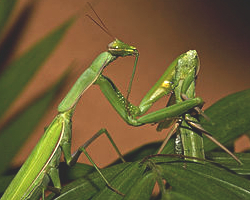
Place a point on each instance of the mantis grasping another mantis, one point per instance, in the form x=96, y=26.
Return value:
x=42, y=165
x=33, y=177
x=179, y=78
x=189, y=139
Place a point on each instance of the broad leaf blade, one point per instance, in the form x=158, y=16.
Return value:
x=230, y=117
x=123, y=182
x=69, y=173
x=142, y=189
x=197, y=181
x=227, y=161
x=18, y=74
x=89, y=185
x=19, y=129
x=9, y=43
x=6, y=7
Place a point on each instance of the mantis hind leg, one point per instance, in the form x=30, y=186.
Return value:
x=72, y=159
x=169, y=135
x=99, y=133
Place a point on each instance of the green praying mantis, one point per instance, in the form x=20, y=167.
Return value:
x=42, y=164
x=189, y=140
x=178, y=80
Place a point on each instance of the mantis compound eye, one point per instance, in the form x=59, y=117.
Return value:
x=119, y=48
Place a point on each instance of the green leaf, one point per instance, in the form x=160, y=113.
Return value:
x=6, y=7
x=18, y=74
x=221, y=158
x=198, y=181
x=184, y=180
x=230, y=117
x=143, y=188
x=175, y=195
x=14, y=134
x=123, y=182
x=9, y=43
x=69, y=173
x=227, y=161
x=89, y=185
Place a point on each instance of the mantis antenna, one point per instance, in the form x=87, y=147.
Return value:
x=101, y=24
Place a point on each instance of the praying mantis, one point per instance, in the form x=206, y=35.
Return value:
x=33, y=177
x=179, y=80
x=189, y=140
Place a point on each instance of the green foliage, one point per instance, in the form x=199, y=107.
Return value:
x=230, y=118
x=13, y=79
x=220, y=178
x=6, y=7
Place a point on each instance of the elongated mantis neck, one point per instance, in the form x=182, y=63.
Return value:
x=115, y=49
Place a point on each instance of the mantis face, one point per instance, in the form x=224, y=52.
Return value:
x=189, y=63
x=186, y=68
x=119, y=48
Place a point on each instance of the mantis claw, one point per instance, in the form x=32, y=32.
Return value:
x=197, y=109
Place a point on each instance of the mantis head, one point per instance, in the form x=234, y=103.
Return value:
x=193, y=60
x=188, y=63
x=119, y=48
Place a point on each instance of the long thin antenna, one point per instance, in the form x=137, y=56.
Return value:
x=106, y=31
x=101, y=24
x=98, y=17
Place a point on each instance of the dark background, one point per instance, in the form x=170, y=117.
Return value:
x=161, y=30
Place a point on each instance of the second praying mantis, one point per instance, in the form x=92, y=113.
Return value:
x=33, y=177
x=189, y=140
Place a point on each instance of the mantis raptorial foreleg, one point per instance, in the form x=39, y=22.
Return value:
x=135, y=115
x=179, y=78
x=33, y=177
x=187, y=127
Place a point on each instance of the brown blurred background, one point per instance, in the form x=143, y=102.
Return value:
x=161, y=30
